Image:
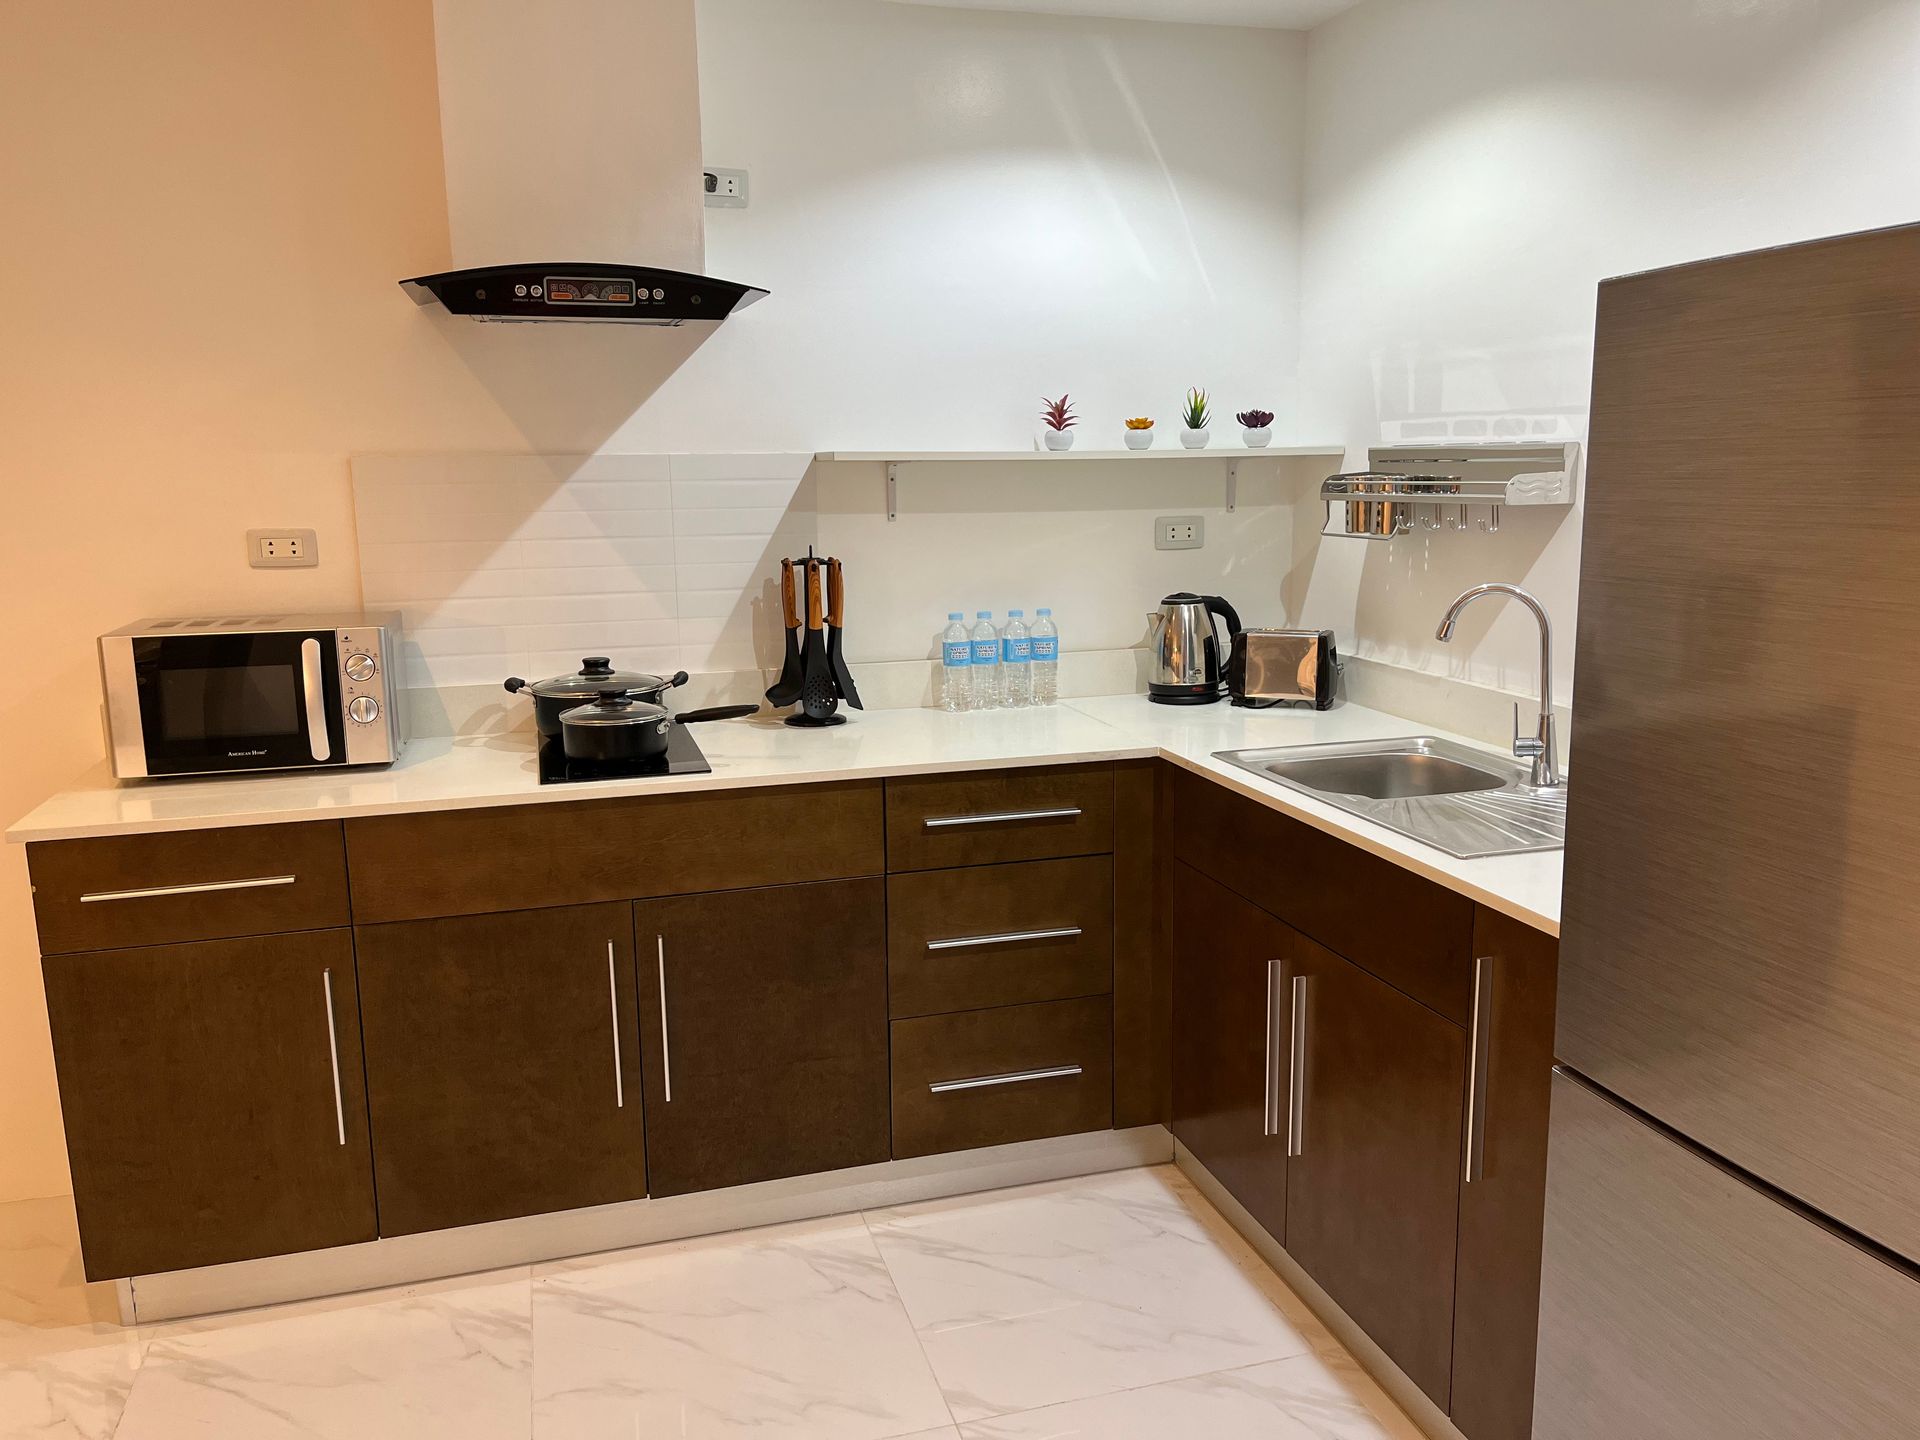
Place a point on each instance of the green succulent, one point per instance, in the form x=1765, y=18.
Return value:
x=1198, y=411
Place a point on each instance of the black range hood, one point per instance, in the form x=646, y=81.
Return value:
x=581, y=291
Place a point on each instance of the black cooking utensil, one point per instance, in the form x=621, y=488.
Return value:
x=786, y=689
x=817, y=698
x=836, y=615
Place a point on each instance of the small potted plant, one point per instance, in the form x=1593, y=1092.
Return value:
x=1256, y=428
x=1195, y=435
x=1140, y=433
x=1060, y=420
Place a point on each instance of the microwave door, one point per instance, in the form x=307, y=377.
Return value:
x=262, y=701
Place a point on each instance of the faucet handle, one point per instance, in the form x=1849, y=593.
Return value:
x=1527, y=747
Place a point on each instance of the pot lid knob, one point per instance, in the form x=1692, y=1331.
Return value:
x=596, y=665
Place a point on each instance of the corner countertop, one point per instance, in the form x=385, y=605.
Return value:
x=492, y=770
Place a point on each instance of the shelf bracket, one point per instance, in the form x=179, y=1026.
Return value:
x=893, y=490
x=1233, y=484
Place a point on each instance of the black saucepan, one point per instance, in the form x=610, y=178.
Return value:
x=553, y=698
x=616, y=728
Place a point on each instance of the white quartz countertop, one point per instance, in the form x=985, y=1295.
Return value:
x=492, y=770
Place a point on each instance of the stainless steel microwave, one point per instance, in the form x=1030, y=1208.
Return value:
x=231, y=695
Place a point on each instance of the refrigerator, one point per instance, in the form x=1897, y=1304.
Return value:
x=1733, y=1212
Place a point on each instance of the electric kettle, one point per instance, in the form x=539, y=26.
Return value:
x=1189, y=662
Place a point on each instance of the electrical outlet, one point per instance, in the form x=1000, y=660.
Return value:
x=725, y=189
x=282, y=549
x=1179, y=532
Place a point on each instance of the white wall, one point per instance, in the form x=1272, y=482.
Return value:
x=1505, y=157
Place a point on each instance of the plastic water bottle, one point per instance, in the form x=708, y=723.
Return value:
x=956, y=662
x=1016, y=661
x=1046, y=658
x=985, y=683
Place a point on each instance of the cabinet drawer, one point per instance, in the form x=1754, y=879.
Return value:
x=999, y=935
x=991, y=1077
x=936, y=821
x=126, y=890
x=1411, y=933
x=469, y=862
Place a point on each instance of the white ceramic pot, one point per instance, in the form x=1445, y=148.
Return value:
x=1195, y=439
x=1058, y=439
x=1257, y=439
x=1139, y=439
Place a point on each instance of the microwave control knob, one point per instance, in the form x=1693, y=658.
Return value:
x=360, y=667
x=364, y=709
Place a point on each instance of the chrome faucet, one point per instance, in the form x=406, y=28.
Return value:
x=1541, y=749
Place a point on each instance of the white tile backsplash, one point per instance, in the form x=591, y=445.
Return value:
x=521, y=564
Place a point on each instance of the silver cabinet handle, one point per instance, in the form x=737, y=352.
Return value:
x=333, y=1054
x=1012, y=937
x=1297, y=1072
x=666, y=1054
x=313, y=691
x=613, y=1006
x=947, y=822
x=1018, y=1077
x=1479, y=1042
x=154, y=892
x=1270, y=1094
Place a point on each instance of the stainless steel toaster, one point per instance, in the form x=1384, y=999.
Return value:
x=1279, y=667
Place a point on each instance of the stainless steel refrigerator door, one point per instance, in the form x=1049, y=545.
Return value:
x=1679, y=1302
x=1740, y=952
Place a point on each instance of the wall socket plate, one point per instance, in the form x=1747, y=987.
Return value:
x=1179, y=532
x=282, y=549
x=725, y=189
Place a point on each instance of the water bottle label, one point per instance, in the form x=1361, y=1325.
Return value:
x=1046, y=648
x=1016, y=652
x=985, y=652
x=959, y=654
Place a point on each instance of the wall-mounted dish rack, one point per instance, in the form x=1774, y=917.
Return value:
x=1440, y=487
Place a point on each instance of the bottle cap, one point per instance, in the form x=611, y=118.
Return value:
x=983, y=614
x=1015, y=614
x=1043, y=610
x=953, y=614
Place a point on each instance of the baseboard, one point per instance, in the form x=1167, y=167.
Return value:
x=1375, y=1361
x=409, y=1259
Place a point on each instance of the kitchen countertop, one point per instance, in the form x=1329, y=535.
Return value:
x=479, y=771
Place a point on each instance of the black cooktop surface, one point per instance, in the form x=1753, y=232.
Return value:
x=683, y=757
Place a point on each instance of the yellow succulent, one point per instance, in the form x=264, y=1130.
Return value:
x=1142, y=423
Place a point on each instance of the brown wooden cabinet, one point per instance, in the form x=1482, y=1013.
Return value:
x=1373, y=1188
x=1496, y=1308
x=213, y=1101
x=1230, y=972
x=764, y=1020
x=503, y=1065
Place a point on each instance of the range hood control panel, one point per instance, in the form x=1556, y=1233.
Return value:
x=630, y=294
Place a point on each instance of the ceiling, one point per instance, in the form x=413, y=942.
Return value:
x=1275, y=14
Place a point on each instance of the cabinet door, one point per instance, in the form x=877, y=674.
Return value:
x=1373, y=1188
x=503, y=1073
x=765, y=1019
x=213, y=1100
x=1496, y=1308
x=1230, y=986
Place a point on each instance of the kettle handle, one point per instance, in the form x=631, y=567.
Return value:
x=1217, y=605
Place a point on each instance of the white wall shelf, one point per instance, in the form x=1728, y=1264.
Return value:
x=1232, y=456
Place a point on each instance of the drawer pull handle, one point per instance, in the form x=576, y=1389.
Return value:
x=948, y=822
x=666, y=1054
x=1270, y=1110
x=1479, y=1041
x=613, y=1005
x=1012, y=937
x=333, y=1054
x=1018, y=1077
x=154, y=892
x=1297, y=1072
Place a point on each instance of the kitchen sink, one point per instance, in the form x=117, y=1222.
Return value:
x=1469, y=803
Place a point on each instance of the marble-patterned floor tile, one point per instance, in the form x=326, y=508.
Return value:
x=794, y=1331
x=1027, y=1298
x=448, y=1362
x=1302, y=1398
x=66, y=1364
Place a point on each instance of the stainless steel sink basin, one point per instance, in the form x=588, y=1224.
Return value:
x=1469, y=803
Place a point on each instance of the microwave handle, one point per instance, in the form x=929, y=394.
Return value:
x=313, y=688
